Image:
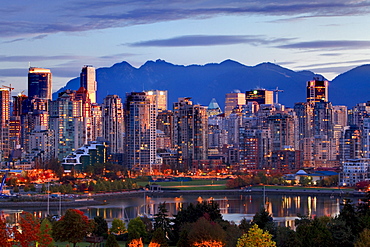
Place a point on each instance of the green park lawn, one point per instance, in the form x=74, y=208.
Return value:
x=192, y=185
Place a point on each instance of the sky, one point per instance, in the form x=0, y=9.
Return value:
x=327, y=37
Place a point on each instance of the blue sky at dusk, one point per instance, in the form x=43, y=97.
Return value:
x=327, y=37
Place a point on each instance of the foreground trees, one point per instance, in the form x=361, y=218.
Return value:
x=73, y=227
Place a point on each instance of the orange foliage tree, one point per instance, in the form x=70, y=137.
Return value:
x=136, y=243
x=29, y=229
x=5, y=233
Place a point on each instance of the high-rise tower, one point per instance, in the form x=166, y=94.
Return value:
x=88, y=81
x=317, y=90
x=113, y=123
x=190, y=133
x=141, y=113
x=4, y=123
x=39, y=83
x=233, y=100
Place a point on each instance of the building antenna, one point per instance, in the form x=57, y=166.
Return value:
x=29, y=64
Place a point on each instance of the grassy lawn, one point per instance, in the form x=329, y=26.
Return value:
x=192, y=185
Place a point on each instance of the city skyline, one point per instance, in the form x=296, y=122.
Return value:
x=64, y=36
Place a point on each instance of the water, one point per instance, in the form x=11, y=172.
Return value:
x=284, y=209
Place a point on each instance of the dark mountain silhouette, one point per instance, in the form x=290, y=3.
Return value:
x=204, y=82
x=351, y=87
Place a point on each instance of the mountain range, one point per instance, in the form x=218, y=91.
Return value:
x=214, y=80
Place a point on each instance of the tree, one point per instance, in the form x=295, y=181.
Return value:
x=111, y=241
x=45, y=238
x=5, y=233
x=192, y=213
x=264, y=220
x=161, y=219
x=205, y=230
x=101, y=226
x=159, y=238
x=363, y=239
x=118, y=227
x=256, y=237
x=72, y=227
x=136, y=229
x=30, y=230
x=135, y=243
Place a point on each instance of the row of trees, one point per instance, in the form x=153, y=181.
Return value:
x=197, y=225
x=262, y=178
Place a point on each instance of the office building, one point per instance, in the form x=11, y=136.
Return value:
x=39, y=83
x=233, y=100
x=261, y=96
x=317, y=90
x=88, y=81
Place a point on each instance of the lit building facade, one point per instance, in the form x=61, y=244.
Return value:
x=141, y=117
x=233, y=100
x=39, y=83
x=113, y=123
x=261, y=96
x=88, y=81
x=4, y=123
x=190, y=133
x=317, y=90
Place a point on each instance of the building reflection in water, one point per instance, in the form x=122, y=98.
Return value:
x=284, y=209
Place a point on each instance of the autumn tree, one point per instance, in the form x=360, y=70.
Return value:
x=73, y=227
x=29, y=230
x=158, y=238
x=5, y=233
x=256, y=237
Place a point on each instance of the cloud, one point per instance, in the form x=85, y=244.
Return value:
x=208, y=40
x=77, y=15
x=328, y=44
x=36, y=58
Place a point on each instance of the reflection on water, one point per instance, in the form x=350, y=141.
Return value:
x=284, y=209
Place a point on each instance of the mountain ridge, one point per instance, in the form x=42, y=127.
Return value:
x=214, y=80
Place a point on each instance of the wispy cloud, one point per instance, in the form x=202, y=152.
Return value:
x=209, y=40
x=36, y=58
x=328, y=44
x=77, y=16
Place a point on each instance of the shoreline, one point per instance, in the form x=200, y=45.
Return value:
x=103, y=198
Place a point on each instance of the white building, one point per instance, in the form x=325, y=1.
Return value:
x=354, y=171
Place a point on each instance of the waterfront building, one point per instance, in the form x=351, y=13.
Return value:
x=354, y=171
x=87, y=155
x=340, y=115
x=190, y=133
x=141, y=118
x=39, y=83
x=165, y=124
x=4, y=123
x=285, y=161
x=88, y=81
x=113, y=123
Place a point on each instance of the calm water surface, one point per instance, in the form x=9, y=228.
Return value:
x=284, y=209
